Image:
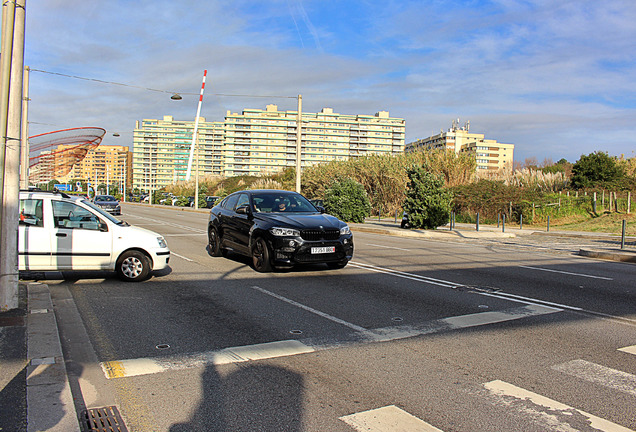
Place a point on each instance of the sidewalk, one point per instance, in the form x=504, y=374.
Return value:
x=34, y=390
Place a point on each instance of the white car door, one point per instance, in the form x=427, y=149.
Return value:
x=34, y=239
x=80, y=239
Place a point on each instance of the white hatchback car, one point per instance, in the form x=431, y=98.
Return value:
x=59, y=232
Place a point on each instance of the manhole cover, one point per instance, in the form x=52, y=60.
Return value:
x=105, y=419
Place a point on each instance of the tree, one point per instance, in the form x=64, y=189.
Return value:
x=427, y=201
x=596, y=169
x=347, y=200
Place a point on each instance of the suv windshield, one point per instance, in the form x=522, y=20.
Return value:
x=105, y=198
x=282, y=202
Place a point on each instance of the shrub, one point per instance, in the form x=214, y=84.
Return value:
x=427, y=201
x=596, y=169
x=347, y=200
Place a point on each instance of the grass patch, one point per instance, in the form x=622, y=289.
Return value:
x=605, y=223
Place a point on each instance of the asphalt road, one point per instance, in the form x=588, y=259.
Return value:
x=414, y=334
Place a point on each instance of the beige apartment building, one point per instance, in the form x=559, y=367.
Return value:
x=491, y=156
x=112, y=164
x=257, y=142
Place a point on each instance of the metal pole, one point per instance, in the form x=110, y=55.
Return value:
x=24, y=160
x=196, y=127
x=521, y=221
x=623, y=235
x=196, y=176
x=503, y=223
x=548, y=223
x=11, y=184
x=299, y=137
x=477, y=225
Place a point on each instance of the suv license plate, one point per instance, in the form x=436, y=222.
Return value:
x=322, y=250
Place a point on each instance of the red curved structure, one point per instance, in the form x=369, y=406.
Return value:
x=56, y=152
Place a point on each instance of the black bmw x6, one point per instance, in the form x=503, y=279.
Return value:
x=278, y=229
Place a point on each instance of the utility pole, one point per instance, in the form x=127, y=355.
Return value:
x=24, y=155
x=299, y=138
x=13, y=17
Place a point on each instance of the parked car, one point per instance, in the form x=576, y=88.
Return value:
x=108, y=203
x=277, y=229
x=59, y=232
x=211, y=200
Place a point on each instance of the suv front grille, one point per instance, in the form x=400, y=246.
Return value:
x=318, y=234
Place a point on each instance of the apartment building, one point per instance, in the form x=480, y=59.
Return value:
x=106, y=163
x=257, y=142
x=491, y=156
x=67, y=162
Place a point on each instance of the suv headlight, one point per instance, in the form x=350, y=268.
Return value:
x=284, y=232
x=345, y=230
x=162, y=242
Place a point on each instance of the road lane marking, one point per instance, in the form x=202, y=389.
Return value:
x=181, y=256
x=629, y=349
x=405, y=275
x=146, y=366
x=388, y=247
x=498, y=294
x=612, y=378
x=312, y=310
x=567, y=273
x=387, y=419
x=552, y=414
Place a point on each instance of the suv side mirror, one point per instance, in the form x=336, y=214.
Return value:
x=244, y=209
x=321, y=209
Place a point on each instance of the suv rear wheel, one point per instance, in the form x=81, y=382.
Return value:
x=133, y=266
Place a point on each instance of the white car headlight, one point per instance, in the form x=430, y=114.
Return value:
x=345, y=230
x=162, y=242
x=284, y=232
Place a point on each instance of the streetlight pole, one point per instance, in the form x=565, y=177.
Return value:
x=299, y=137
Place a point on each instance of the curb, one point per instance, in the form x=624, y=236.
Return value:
x=50, y=405
x=613, y=255
x=429, y=233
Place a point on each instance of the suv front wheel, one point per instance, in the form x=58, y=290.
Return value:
x=133, y=266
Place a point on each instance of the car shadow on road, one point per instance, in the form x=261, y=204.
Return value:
x=252, y=398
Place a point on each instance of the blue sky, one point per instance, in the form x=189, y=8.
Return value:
x=555, y=78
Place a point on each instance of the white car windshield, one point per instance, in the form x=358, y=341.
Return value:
x=101, y=212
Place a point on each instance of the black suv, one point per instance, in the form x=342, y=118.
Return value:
x=278, y=229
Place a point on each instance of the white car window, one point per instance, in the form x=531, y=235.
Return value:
x=31, y=213
x=72, y=216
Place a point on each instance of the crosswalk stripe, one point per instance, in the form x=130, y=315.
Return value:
x=554, y=415
x=629, y=349
x=387, y=419
x=145, y=366
x=615, y=379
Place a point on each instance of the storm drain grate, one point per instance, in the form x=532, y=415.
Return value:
x=105, y=419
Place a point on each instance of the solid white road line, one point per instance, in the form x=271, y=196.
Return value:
x=629, y=349
x=312, y=310
x=388, y=247
x=181, y=256
x=552, y=414
x=387, y=419
x=405, y=275
x=612, y=378
x=567, y=273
